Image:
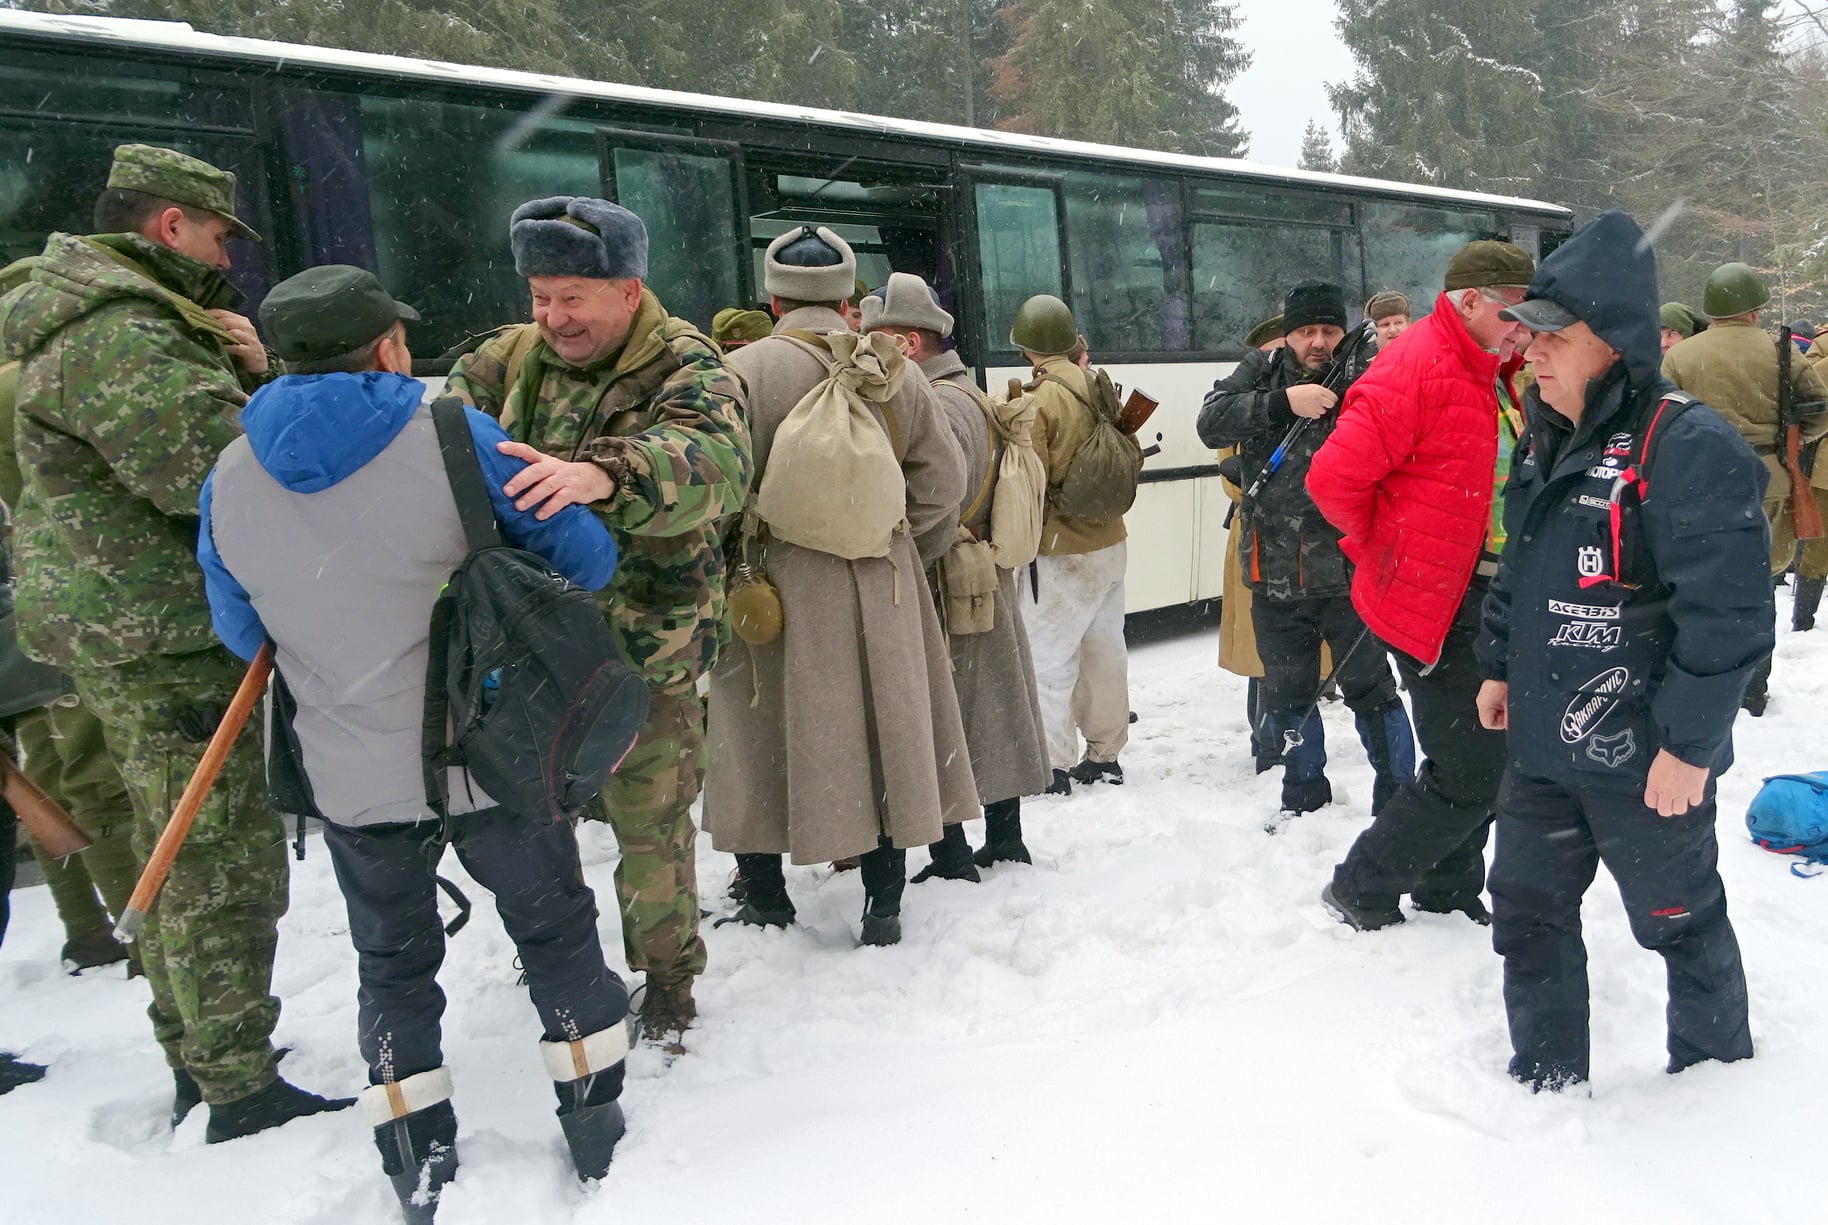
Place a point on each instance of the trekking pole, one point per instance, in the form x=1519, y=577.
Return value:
x=158, y=865
x=1292, y=739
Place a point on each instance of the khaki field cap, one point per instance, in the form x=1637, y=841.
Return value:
x=1270, y=329
x=1489, y=264
x=905, y=302
x=180, y=178
x=735, y=326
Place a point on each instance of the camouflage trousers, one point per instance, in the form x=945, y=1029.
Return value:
x=66, y=755
x=208, y=943
x=649, y=805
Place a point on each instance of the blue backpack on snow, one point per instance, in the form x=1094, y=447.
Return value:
x=1789, y=816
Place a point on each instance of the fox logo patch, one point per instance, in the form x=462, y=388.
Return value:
x=1613, y=751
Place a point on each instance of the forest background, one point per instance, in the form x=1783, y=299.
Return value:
x=1705, y=119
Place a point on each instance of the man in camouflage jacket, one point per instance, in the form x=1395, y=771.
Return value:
x=133, y=370
x=621, y=407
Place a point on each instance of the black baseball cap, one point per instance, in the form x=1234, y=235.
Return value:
x=324, y=312
x=1540, y=315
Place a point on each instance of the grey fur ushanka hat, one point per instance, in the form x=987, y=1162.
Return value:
x=578, y=236
x=804, y=273
x=905, y=302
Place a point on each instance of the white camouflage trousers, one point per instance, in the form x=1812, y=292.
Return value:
x=1082, y=668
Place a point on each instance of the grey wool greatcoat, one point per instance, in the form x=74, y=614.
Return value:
x=846, y=727
x=993, y=672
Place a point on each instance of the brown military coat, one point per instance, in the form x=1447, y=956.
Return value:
x=993, y=672
x=846, y=726
x=1732, y=368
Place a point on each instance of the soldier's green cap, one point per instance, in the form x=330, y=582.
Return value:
x=735, y=326
x=180, y=178
x=1489, y=264
x=328, y=311
x=1270, y=329
x=1678, y=318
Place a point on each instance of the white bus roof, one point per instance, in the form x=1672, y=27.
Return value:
x=179, y=36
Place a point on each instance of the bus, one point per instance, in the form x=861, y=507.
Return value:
x=411, y=167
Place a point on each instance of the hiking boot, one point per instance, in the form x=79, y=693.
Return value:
x=1359, y=918
x=1808, y=599
x=667, y=1011
x=591, y=1117
x=277, y=1104
x=1062, y=784
x=1305, y=796
x=885, y=875
x=1473, y=909
x=98, y=948
x=15, y=1071
x=1098, y=771
x=419, y=1156
x=1002, y=835
x=951, y=859
x=765, y=903
x=186, y=1096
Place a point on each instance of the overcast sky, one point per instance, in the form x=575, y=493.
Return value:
x=1295, y=51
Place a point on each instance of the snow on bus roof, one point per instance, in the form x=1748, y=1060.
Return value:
x=180, y=36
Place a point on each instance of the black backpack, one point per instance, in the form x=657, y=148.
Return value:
x=523, y=687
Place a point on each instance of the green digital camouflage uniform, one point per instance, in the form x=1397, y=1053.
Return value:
x=126, y=396
x=62, y=750
x=665, y=418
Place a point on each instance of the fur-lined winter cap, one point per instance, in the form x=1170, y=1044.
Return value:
x=905, y=302
x=810, y=264
x=578, y=236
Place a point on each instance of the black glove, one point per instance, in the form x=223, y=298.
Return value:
x=197, y=722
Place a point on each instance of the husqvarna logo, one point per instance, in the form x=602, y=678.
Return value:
x=1590, y=561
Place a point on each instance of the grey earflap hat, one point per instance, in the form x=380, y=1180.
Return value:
x=905, y=302
x=810, y=264
x=578, y=236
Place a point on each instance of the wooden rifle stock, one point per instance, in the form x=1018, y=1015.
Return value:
x=158, y=865
x=1137, y=409
x=1805, y=516
x=50, y=826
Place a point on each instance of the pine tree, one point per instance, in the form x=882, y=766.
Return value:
x=1317, y=150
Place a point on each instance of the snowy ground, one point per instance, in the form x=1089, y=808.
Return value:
x=1157, y=1022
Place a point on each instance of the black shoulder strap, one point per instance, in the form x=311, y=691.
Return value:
x=458, y=449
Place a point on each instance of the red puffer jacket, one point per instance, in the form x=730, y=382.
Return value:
x=1407, y=478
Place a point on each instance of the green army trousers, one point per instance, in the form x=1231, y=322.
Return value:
x=66, y=755
x=648, y=804
x=208, y=943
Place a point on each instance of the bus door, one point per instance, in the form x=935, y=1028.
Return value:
x=893, y=216
x=1016, y=243
x=689, y=193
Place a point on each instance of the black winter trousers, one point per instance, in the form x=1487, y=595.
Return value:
x=531, y=866
x=1552, y=837
x=1289, y=633
x=1429, y=840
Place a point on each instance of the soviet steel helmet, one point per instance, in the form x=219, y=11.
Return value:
x=1044, y=324
x=1733, y=289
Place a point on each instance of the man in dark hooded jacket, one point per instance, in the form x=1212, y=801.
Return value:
x=1628, y=613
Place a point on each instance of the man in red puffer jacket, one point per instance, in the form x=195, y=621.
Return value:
x=1410, y=477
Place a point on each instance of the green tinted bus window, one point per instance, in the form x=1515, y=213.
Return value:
x=688, y=202
x=1018, y=242
x=1241, y=273
x=1407, y=246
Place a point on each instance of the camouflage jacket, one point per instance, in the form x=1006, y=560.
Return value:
x=666, y=419
x=124, y=401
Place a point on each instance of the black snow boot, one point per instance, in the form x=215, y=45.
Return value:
x=98, y=948
x=1473, y=908
x=185, y=1097
x=765, y=900
x=1360, y=918
x=1758, y=691
x=419, y=1156
x=1808, y=599
x=277, y=1104
x=591, y=1117
x=1003, y=834
x=1088, y=772
x=885, y=875
x=951, y=858
x=15, y=1071
x=1062, y=784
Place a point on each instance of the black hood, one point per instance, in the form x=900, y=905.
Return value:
x=1607, y=276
